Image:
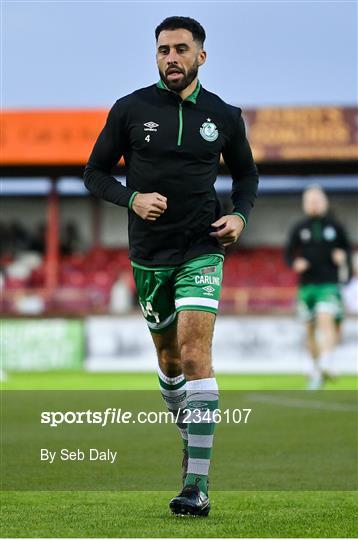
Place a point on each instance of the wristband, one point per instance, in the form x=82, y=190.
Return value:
x=242, y=217
x=130, y=202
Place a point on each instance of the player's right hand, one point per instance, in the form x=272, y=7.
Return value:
x=300, y=265
x=149, y=206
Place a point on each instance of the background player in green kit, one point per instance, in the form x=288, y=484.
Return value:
x=318, y=250
x=171, y=135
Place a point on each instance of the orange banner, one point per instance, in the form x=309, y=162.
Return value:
x=66, y=137
x=51, y=137
x=303, y=133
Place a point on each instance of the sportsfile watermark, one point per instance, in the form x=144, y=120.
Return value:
x=127, y=440
x=113, y=415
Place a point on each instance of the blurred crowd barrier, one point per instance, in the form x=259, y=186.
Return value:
x=243, y=344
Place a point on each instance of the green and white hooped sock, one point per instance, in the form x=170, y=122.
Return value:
x=202, y=399
x=173, y=390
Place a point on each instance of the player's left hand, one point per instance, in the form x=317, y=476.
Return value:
x=230, y=227
x=339, y=257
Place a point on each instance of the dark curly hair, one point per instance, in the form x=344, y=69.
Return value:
x=187, y=23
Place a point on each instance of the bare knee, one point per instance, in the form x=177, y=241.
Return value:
x=311, y=341
x=196, y=361
x=326, y=324
x=169, y=361
x=326, y=331
x=166, y=345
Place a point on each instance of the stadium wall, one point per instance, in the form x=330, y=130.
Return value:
x=250, y=344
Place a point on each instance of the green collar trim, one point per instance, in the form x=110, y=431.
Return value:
x=193, y=96
x=162, y=85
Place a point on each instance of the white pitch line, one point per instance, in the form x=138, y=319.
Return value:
x=301, y=403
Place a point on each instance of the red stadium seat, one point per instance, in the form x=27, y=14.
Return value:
x=256, y=278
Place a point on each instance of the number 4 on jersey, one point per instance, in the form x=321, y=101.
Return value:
x=147, y=138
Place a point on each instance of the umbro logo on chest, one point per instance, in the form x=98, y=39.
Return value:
x=150, y=126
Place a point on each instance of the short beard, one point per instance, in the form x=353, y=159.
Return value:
x=181, y=84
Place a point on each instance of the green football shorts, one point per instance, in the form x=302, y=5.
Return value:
x=164, y=291
x=320, y=298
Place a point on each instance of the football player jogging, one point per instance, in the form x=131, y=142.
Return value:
x=318, y=250
x=171, y=135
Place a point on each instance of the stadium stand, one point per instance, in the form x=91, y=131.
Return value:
x=255, y=279
x=51, y=273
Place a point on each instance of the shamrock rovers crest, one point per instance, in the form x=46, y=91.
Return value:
x=209, y=131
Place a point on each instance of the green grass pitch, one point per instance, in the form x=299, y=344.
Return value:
x=145, y=514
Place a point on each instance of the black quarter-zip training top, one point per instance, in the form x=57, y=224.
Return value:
x=314, y=239
x=173, y=147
